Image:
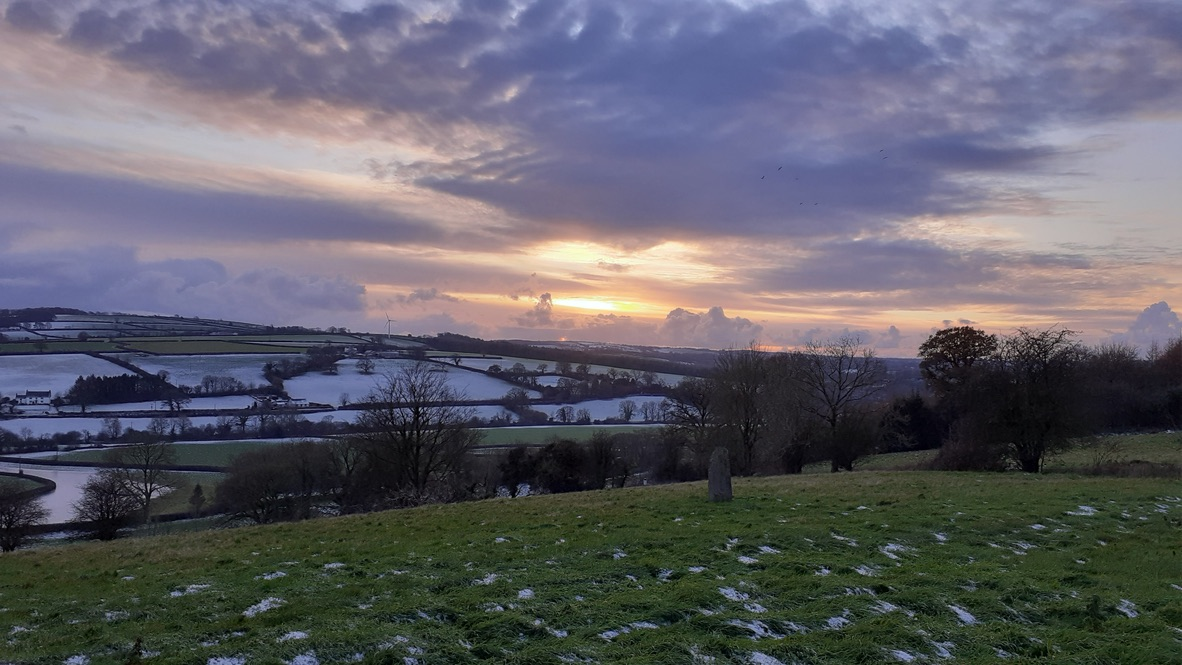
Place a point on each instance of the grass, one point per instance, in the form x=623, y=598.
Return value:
x=1161, y=447
x=967, y=564
x=17, y=483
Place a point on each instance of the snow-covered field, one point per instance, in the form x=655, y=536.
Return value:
x=223, y=402
x=602, y=409
x=52, y=371
x=328, y=388
x=189, y=370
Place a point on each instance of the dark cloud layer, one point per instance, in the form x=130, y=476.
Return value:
x=150, y=210
x=670, y=117
x=113, y=278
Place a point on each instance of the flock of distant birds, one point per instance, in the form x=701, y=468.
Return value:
x=781, y=168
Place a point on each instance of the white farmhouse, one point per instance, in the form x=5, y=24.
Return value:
x=33, y=397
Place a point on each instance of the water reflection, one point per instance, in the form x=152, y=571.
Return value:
x=60, y=502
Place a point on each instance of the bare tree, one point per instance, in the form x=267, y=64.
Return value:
x=741, y=381
x=627, y=410
x=691, y=410
x=837, y=375
x=257, y=486
x=142, y=468
x=414, y=425
x=20, y=510
x=365, y=365
x=106, y=504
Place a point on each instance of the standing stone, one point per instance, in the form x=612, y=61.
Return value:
x=720, y=475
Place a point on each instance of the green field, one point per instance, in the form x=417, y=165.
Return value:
x=858, y=567
x=1160, y=448
x=203, y=454
x=26, y=348
x=220, y=453
x=504, y=436
x=203, y=346
x=18, y=483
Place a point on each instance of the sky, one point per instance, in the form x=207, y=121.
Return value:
x=667, y=172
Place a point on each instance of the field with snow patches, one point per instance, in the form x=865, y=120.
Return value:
x=53, y=372
x=189, y=370
x=861, y=567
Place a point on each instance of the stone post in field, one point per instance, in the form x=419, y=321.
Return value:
x=720, y=475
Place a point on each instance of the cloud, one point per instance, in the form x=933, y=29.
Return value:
x=542, y=315
x=712, y=329
x=32, y=16
x=1156, y=323
x=113, y=278
x=648, y=120
x=891, y=339
x=425, y=295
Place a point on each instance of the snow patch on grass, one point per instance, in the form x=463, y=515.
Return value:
x=848, y=541
x=333, y=565
x=525, y=594
x=943, y=649
x=696, y=569
x=866, y=570
x=308, y=658
x=759, y=630
x=294, y=635
x=940, y=537
x=1127, y=608
x=964, y=615
x=191, y=589
x=486, y=580
x=733, y=594
x=760, y=658
x=838, y=622
x=226, y=660
x=748, y=560
x=1082, y=511
x=77, y=660
x=263, y=605
x=893, y=550
x=271, y=576
x=902, y=656
x=767, y=549
x=823, y=571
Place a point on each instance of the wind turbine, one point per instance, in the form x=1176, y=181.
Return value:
x=388, y=322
